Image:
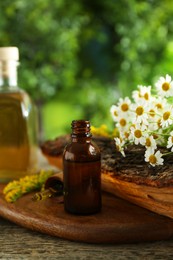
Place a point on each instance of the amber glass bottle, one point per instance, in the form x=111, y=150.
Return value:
x=18, y=117
x=82, y=171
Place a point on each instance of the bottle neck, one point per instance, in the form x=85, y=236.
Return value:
x=80, y=139
x=8, y=75
x=81, y=131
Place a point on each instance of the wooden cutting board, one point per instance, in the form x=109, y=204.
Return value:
x=118, y=222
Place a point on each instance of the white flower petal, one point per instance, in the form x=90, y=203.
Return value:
x=168, y=78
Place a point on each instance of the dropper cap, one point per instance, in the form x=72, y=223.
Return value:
x=9, y=53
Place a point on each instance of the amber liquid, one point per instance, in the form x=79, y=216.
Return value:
x=15, y=139
x=82, y=187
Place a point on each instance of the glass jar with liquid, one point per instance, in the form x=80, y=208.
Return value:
x=18, y=121
x=82, y=171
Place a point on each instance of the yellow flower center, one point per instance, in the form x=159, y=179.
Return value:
x=146, y=96
x=159, y=106
x=155, y=136
x=139, y=110
x=115, y=113
x=166, y=86
x=166, y=115
x=126, y=134
x=148, y=142
x=122, y=122
x=152, y=112
x=124, y=107
x=137, y=133
x=152, y=159
x=118, y=148
x=133, y=125
x=159, y=122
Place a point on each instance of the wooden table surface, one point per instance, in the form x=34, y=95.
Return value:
x=19, y=243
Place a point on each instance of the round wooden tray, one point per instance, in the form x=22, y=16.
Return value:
x=118, y=222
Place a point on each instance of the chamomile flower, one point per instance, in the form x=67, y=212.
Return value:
x=114, y=112
x=160, y=103
x=124, y=104
x=120, y=145
x=121, y=122
x=153, y=158
x=164, y=86
x=124, y=134
x=153, y=117
x=143, y=93
x=167, y=117
x=149, y=142
x=140, y=112
x=146, y=119
x=137, y=134
x=170, y=141
x=152, y=112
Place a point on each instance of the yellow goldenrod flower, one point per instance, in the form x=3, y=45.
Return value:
x=15, y=189
x=100, y=131
x=13, y=195
x=104, y=131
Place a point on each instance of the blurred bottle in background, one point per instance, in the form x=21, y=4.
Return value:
x=18, y=121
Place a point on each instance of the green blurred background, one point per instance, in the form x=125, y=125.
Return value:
x=78, y=57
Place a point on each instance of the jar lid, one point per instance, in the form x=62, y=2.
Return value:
x=9, y=53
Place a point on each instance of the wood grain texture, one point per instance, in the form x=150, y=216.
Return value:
x=119, y=221
x=159, y=200
x=19, y=243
